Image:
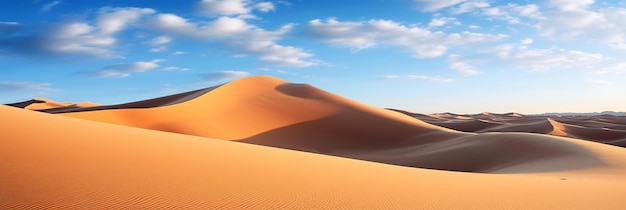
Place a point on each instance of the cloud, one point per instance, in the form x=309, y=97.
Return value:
x=38, y=88
x=160, y=40
x=469, y=7
x=174, y=68
x=72, y=38
x=48, y=6
x=265, y=6
x=420, y=77
x=419, y=42
x=179, y=53
x=512, y=13
x=456, y=62
x=223, y=75
x=434, y=5
x=237, y=35
x=575, y=19
x=158, y=49
x=112, y=20
x=239, y=8
x=440, y=21
x=547, y=59
x=123, y=70
x=527, y=41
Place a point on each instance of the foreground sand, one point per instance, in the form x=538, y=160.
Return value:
x=121, y=158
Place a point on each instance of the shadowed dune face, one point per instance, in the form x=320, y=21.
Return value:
x=271, y=112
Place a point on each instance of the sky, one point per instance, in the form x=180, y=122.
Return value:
x=425, y=56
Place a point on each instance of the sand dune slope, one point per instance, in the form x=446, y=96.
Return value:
x=268, y=111
x=51, y=162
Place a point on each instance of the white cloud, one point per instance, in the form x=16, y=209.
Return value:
x=49, y=6
x=112, y=20
x=474, y=27
x=547, y=59
x=239, y=36
x=434, y=5
x=160, y=40
x=456, y=62
x=469, y=6
x=179, y=53
x=440, y=21
x=571, y=4
x=78, y=38
x=158, y=49
x=420, y=42
x=174, y=68
x=512, y=13
x=239, y=8
x=420, y=77
x=527, y=41
x=265, y=6
x=576, y=19
x=124, y=70
x=223, y=75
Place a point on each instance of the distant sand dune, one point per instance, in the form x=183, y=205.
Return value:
x=603, y=128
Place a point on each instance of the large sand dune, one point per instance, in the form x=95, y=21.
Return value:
x=135, y=156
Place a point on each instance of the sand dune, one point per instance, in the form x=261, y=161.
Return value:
x=602, y=128
x=271, y=112
x=134, y=156
x=72, y=163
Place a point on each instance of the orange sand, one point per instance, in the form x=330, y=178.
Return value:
x=55, y=161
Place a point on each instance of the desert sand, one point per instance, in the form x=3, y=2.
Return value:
x=601, y=128
x=261, y=142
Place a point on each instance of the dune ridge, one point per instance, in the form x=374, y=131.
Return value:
x=271, y=112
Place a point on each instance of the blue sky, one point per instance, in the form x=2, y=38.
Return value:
x=426, y=56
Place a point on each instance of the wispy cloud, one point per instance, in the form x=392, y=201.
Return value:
x=123, y=70
x=239, y=8
x=175, y=68
x=237, y=35
x=419, y=42
x=223, y=75
x=72, y=38
x=547, y=58
x=434, y=5
x=458, y=63
x=574, y=19
x=49, y=6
